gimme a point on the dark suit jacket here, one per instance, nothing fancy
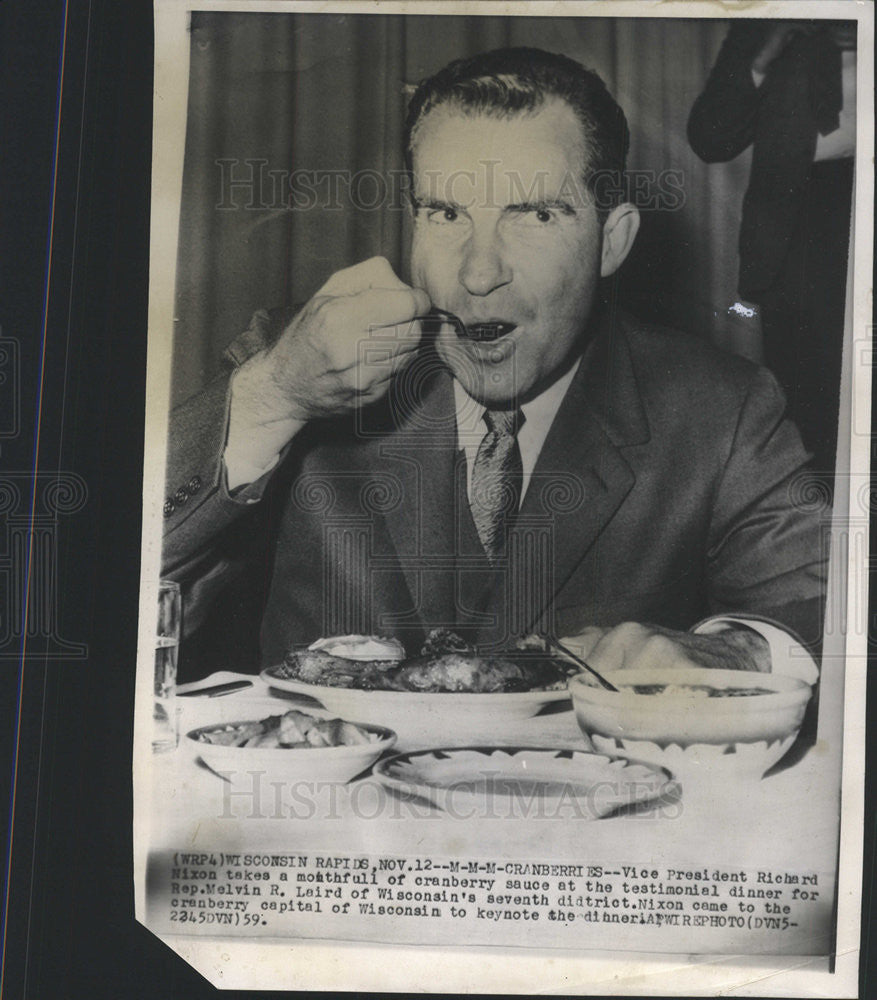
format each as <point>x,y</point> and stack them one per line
<point>800,97</point>
<point>664,493</point>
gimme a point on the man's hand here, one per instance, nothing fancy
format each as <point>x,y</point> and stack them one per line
<point>341,351</point>
<point>631,646</point>
<point>778,37</point>
<point>842,33</point>
<point>321,365</point>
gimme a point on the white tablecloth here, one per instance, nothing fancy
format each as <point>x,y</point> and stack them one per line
<point>786,821</point>
<point>791,814</point>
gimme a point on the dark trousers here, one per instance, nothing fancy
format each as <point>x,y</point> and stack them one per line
<point>803,312</point>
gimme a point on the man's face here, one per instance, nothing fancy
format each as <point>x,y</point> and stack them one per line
<point>505,232</point>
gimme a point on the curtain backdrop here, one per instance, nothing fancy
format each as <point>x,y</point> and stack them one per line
<point>293,159</point>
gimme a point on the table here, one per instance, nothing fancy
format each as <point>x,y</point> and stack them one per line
<point>785,824</point>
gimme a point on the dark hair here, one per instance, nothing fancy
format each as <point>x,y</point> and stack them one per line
<point>508,82</point>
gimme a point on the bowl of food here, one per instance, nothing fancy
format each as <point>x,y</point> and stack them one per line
<point>295,746</point>
<point>448,691</point>
<point>693,721</point>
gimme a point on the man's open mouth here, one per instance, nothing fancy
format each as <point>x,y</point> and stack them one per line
<point>484,331</point>
<point>492,330</point>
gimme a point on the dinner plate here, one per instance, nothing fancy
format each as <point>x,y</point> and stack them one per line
<point>424,717</point>
<point>523,781</point>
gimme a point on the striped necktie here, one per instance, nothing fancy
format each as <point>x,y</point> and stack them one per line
<point>497,477</point>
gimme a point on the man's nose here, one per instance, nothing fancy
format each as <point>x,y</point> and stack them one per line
<point>484,266</point>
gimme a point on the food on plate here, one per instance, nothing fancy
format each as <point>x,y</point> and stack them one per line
<point>346,660</point>
<point>360,647</point>
<point>696,690</point>
<point>479,674</point>
<point>446,664</point>
<point>294,730</point>
<point>443,640</point>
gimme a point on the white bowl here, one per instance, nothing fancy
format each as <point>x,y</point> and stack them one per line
<point>428,718</point>
<point>688,733</point>
<point>289,764</point>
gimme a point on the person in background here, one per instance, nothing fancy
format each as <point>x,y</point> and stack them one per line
<point>788,90</point>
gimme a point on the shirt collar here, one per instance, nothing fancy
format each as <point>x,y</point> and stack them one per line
<point>539,414</point>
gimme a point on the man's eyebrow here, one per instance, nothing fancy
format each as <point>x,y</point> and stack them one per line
<point>438,204</point>
<point>563,207</point>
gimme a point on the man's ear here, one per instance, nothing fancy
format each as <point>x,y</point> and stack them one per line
<point>619,232</point>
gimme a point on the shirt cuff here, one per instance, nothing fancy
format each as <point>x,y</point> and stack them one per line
<point>240,471</point>
<point>787,654</point>
<point>253,451</point>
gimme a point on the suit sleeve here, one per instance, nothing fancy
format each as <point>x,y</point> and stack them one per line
<point>202,518</point>
<point>769,534</point>
<point>722,121</point>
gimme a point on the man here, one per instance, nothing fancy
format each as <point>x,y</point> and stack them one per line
<point>547,466</point>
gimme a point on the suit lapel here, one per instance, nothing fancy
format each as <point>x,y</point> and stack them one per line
<point>422,455</point>
<point>580,480</point>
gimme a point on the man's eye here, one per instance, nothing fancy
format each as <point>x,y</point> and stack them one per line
<point>535,217</point>
<point>443,215</point>
<point>541,216</point>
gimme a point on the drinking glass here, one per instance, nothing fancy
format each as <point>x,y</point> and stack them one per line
<point>167,642</point>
